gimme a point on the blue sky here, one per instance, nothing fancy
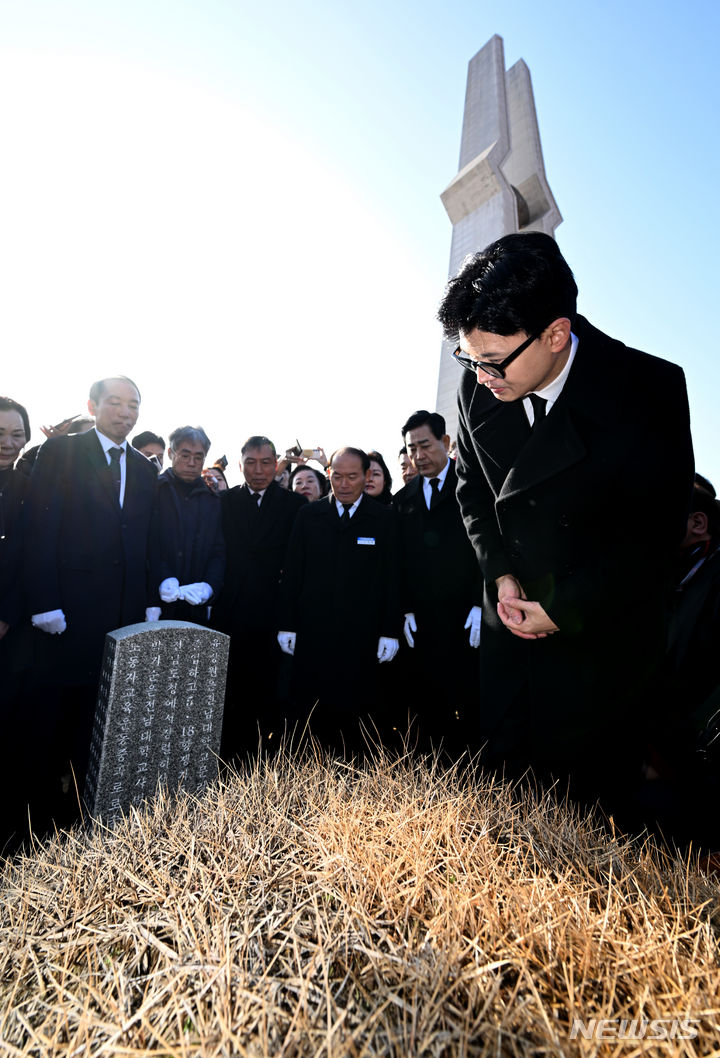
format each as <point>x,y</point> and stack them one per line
<point>239,205</point>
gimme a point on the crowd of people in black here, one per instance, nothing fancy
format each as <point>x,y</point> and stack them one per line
<point>320,576</point>
<point>451,612</point>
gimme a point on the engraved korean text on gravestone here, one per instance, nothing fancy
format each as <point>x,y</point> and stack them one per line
<point>159,714</point>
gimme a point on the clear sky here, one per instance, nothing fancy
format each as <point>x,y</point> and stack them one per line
<point>238,204</point>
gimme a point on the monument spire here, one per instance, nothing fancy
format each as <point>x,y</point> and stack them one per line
<point>501,185</point>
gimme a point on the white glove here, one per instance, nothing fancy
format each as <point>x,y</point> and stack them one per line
<point>287,641</point>
<point>152,613</point>
<point>195,594</point>
<point>473,623</point>
<point>387,649</point>
<point>410,627</point>
<point>53,622</point>
<point>170,590</point>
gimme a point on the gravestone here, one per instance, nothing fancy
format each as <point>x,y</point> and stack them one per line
<point>159,712</point>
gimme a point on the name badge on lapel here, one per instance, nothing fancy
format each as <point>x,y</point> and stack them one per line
<point>366,540</point>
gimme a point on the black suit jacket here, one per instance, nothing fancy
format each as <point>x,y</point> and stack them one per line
<point>595,496</point>
<point>256,540</point>
<point>339,588</point>
<point>441,578</point>
<point>586,512</point>
<point>84,554</point>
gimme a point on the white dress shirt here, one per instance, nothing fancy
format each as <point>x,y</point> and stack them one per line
<point>427,487</point>
<point>107,444</point>
<point>551,392</point>
<point>352,510</point>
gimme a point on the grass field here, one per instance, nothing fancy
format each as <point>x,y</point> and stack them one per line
<point>310,907</point>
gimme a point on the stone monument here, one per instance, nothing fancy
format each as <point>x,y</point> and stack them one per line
<point>159,714</point>
<point>501,185</point>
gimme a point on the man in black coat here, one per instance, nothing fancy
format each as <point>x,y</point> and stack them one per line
<point>339,612</point>
<point>563,434</point>
<point>87,520</point>
<point>441,589</point>
<point>257,520</point>
<point>187,550</point>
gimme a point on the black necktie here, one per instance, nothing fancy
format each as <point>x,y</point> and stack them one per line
<point>115,475</point>
<point>345,516</point>
<point>435,493</point>
<point>538,404</point>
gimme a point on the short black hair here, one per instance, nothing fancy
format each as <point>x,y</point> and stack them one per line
<point>98,388</point>
<point>346,451</point>
<point>520,282</point>
<point>8,404</point>
<point>147,437</point>
<point>193,434</point>
<point>705,483</point>
<point>258,441</point>
<point>433,419</point>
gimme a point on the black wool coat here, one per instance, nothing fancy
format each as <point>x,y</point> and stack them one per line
<point>186,538</point>
<point>84,554</point>
<point>256,540</point>
<point>441,580</point>
<point>339,593</point>
<point>586,511</point>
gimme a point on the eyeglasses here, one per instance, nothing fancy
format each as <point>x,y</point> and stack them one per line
<point>497,370</point>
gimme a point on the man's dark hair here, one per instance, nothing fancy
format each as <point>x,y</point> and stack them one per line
<point>147,437</point>
<point>433,419</point>
<point>705,483</point>
<point>98,388</point>
<point>519,283</point>
<point>403,451</point>
<point>362,456</point>
<point>258,441</point>
<point>8,404</point>
<point>191,434</point>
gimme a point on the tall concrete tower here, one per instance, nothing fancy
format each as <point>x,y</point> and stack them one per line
<point>501,185</point>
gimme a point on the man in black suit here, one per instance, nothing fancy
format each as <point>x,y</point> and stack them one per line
<point>563,434</point>
<point>87,517</point>
<point>441,588</point>
<point>257,520</point>
<point>339,611</point>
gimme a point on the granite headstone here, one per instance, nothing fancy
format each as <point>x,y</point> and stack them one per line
<point>159,714</point>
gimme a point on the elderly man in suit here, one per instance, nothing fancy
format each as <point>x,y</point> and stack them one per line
<point>257,519</point>
<point>339,610</point>
<point>564,433</point>
<point>187,550</point>
<point>87,519</point>
<point>441,589</point>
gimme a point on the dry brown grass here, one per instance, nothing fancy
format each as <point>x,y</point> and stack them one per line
<point>309,907</point>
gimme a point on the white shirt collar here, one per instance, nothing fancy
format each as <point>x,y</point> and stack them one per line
<point>427,487</point>
<point>107,443</point>
<point>552,391</point>
<point>354,507</point>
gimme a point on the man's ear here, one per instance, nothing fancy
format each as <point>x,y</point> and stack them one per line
<point>698,524</point>
<point>559,334</point>
<point>169,454</point>
<point>446,441</point>
<point>91,408</point>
